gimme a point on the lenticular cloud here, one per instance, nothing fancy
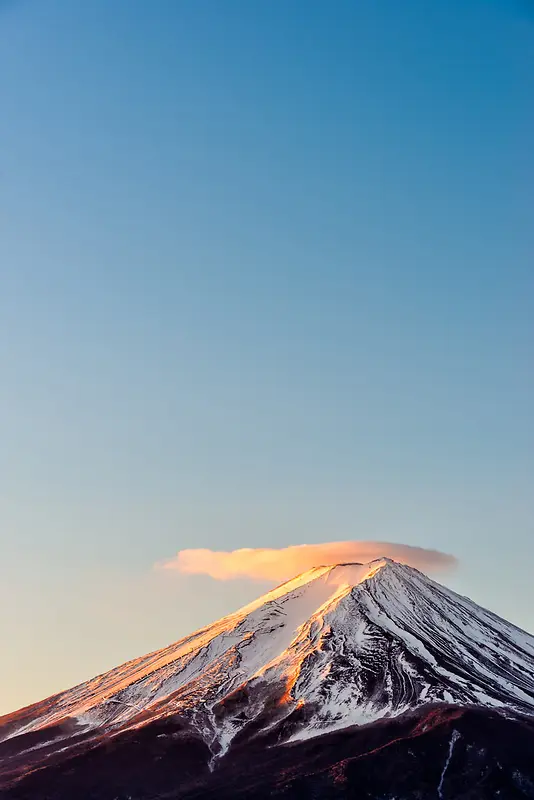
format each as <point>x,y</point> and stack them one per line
<point>272,564</point>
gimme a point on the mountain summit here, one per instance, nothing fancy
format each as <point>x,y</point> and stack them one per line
<point>339,646</point>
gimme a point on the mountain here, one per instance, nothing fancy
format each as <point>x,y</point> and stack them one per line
<point>351,675</point>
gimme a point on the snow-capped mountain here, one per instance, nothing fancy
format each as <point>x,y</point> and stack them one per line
<point>338,646</point>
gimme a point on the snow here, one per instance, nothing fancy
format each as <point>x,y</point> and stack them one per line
<point>348,643</point>
<point>454,738</point>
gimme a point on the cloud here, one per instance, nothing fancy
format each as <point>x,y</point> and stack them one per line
<point>269,564</point>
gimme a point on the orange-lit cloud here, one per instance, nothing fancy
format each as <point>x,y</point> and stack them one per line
<point>271,564</point>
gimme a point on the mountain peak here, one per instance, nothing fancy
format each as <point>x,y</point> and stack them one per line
<point>339,645</point>
<point>342,573</point>
<point>318,584</point>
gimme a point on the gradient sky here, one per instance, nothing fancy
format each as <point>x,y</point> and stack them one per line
<point>266,278</point>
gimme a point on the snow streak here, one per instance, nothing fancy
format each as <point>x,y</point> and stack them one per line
<point>454,738</point>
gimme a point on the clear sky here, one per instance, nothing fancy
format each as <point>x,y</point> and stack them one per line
<point>266,278</point>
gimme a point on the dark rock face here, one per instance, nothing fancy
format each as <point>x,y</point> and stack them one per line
<point>442,752</point>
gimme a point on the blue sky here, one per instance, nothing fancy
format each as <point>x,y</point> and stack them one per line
<point>265,279</point>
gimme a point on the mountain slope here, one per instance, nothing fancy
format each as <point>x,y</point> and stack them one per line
<point>338,646</point>
<point>433,753</point>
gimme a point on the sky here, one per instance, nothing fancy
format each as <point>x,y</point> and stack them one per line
<point>265,280</point>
